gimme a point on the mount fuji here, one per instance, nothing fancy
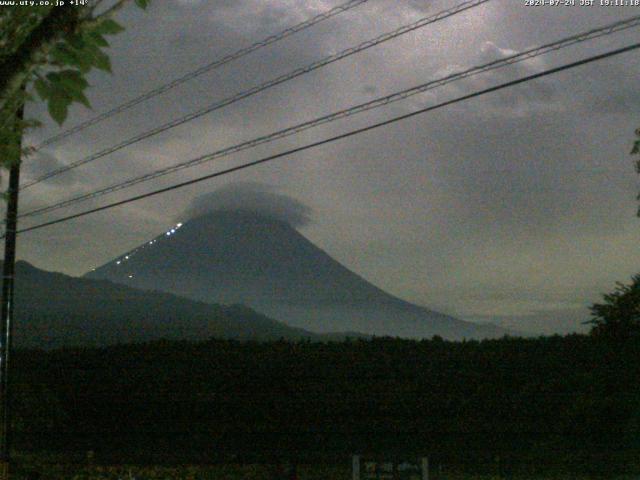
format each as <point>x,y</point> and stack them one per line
<point>238,255</point>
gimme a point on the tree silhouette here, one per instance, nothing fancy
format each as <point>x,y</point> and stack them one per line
<point>53,48</point>
<point>619,315</point>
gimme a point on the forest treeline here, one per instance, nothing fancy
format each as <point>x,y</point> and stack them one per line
<point>554,402</point>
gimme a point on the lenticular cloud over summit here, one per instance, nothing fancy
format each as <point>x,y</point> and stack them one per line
<point>239,245</point>
<point>251,197</point>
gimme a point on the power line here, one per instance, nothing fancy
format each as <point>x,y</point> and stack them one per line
<point>262,87</point>
<point>338,137</point>
<point>382,101</point>
<point>204,69</point>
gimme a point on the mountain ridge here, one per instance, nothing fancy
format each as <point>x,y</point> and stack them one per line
<point>56,310</point>
<point>237,256</point>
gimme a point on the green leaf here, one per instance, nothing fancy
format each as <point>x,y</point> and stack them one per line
<point>109,27</point>
<point>69,56</point>
<point>76,41</point>
<point>96,57</point>
<point>73,84</point>
<point>67,85</point>
<point>58,107</point>
<point>53,77</point>
<point>143,4</point>
<point>64,55</point>
<point>98,39</point>
<point>42,87</point>
<point>73,78</point>
<point>79,96</point>
<point>11,155</point>
<point>101,60</point>
<point>84,64</point>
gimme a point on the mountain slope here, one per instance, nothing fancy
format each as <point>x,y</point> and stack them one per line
<point>238,256</point>
<point>54,310</point>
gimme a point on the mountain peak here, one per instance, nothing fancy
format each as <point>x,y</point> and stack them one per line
<point>248,198</point>
<point>243,217</point>
<point>236,255</point>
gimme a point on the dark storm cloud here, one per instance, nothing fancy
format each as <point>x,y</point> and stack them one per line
<point>540,90</point>
<point>525,198</point>
<point>620,92</point>
<point>254,198</point>
<point>537,95</point>
<point>623,102</point>
<point>41,162</point>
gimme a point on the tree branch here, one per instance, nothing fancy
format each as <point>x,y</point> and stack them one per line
<point>113,9</point>
<point>15,68</point>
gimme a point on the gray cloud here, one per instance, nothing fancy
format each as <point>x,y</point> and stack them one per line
<point>251,197</point>
<point>524,200</point>
<point>620,95</point>
<point>42,162</point>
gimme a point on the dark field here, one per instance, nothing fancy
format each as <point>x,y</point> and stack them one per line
<point>531,406</point>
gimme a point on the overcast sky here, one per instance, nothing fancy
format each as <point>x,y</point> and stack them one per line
<point>517,207</point>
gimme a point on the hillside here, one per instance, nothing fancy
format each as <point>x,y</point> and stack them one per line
<point>53,310</point>
<point>239,256</point>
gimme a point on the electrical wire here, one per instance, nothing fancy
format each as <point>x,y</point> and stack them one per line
<point>423,22</point>
<point>204,69</point>
<point>348,134</point>
<point>363,107</point>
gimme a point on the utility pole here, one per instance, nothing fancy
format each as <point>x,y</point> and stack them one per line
<point>7,310</point>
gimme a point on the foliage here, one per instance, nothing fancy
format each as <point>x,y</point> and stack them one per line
<point>636,151</point>
<point>547,404</point>
<point>53,47</point>
<point>618,316</point>
<point>339,471</point>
